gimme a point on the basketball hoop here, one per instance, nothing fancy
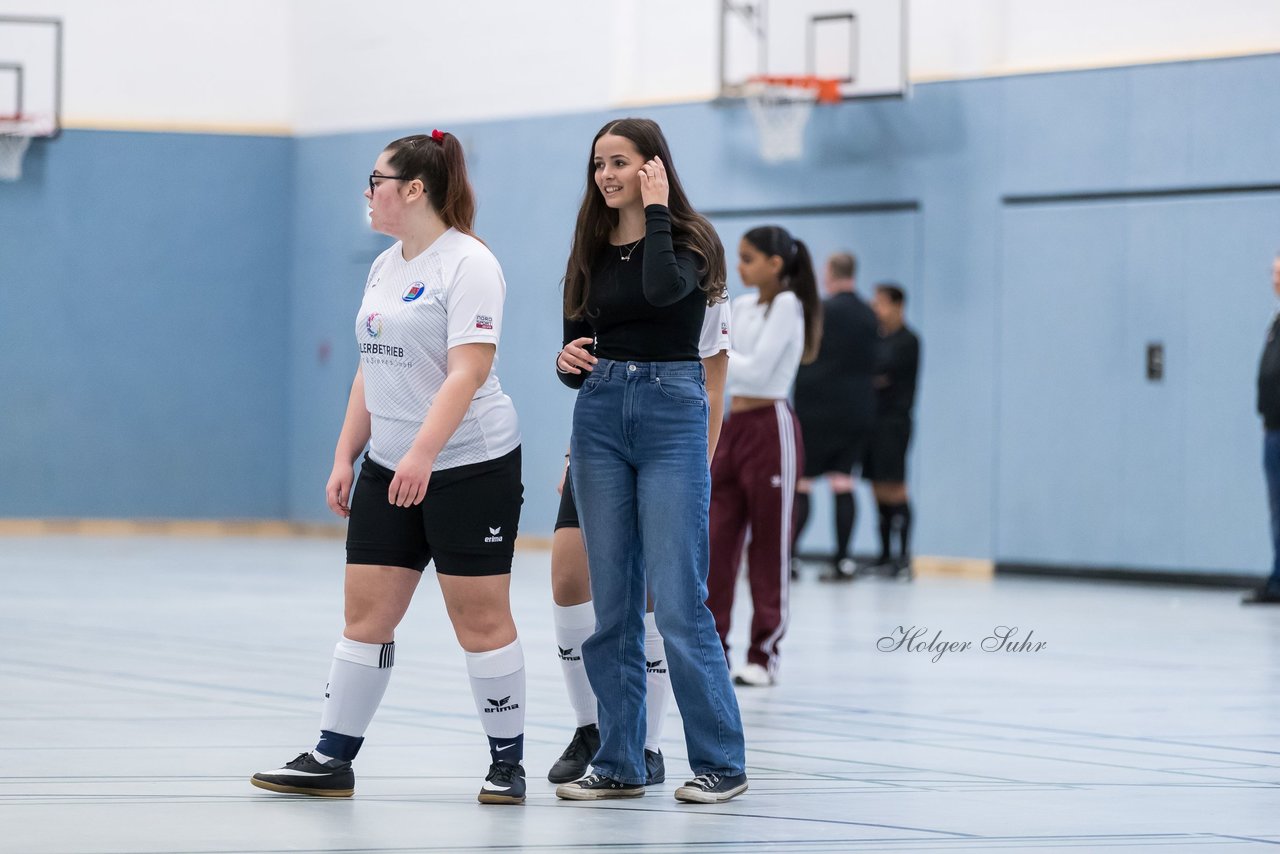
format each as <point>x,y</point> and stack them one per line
<point>16,133</point>
<point>781,107</point>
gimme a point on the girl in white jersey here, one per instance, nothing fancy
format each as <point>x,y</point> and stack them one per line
<point>575,617</point>
<point>757,465</point>
<point>441,477</point>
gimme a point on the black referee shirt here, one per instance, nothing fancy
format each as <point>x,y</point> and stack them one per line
<point>899,363</point>
<point>837,386</point>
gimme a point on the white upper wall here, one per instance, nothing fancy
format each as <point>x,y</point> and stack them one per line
<point>972,38</point>
<point>319,66</point>
<point>389,63</point>
<point>214,64</point>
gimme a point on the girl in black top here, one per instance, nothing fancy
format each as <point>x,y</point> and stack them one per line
<point>643,269</point>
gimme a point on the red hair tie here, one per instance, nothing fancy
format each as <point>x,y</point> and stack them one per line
<point>437,136</point>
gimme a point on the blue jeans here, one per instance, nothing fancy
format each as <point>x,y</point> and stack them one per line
<point>642,488</point>
<point>1271,464</point>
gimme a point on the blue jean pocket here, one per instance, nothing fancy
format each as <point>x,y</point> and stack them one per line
<point>682,390</point>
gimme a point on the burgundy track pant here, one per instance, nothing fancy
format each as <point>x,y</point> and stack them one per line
<point>753,487</point>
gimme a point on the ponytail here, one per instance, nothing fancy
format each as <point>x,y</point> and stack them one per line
<point>796,276</point>
<point>437,160</point>
<point>800,280</point>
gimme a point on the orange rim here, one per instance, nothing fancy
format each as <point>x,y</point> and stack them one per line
<point>828,88</point>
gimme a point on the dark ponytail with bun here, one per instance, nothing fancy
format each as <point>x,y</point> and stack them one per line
<point>436,159</point>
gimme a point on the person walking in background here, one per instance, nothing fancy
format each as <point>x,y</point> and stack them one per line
<point>836,404</point>
<point>441,478</point>
<point>757,465</point>
<point>886,462</point>
<point>1269,409</point>
<point>643,268</point>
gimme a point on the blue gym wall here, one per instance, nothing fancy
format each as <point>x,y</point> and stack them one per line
<point>144,280</point>
<point>1038,438</point>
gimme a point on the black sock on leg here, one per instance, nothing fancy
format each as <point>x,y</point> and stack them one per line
<point>885,512</point>
<point>846,515</point>
<point>904,531</point>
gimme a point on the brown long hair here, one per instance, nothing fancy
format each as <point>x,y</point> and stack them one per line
<point>797,276</point>
<point>689,229</point>
<point>439,163</point>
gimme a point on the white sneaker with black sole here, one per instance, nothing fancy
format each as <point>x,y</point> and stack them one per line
<point>752,676</point>
<point>308,776</point>
<point>712,788</point>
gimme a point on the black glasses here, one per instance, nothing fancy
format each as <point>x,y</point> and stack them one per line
<point>373,188</point>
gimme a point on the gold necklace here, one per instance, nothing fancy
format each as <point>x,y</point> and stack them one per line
<point>626,256</point>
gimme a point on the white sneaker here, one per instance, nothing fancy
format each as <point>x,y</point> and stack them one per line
<point>752,675</point>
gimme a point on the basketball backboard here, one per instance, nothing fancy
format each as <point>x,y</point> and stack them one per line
<point>31,72</point>
<point>861,43</point>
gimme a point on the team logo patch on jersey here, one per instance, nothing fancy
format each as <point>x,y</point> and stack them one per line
<point>412,292</point>
<point>373,325</point>
<point>484,321</point>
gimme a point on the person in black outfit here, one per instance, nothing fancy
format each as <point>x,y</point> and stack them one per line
<point>886,461</point>
<point>1269,409</point>
<point>836,404</point>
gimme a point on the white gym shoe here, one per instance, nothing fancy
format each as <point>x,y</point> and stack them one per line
<point>752,675</point>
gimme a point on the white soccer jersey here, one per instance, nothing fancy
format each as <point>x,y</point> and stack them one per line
<point>412,313</point>
<point>715,330</point>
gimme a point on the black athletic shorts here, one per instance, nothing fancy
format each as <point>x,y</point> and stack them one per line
<point>886,458</point>
<point>467,522</point>
<point>831,447</point>
<point>567,516</point>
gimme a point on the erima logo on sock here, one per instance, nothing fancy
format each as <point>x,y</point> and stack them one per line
<point>655,666</point>
<point>501,705</point>
<point>494,535</point>
<point>567,654</point>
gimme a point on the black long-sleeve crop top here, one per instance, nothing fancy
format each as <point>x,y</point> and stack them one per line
<point>644,304</point>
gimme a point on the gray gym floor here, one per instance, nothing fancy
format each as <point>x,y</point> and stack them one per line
<point>144,679</point>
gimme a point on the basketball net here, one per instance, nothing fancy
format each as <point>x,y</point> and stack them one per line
<point>780,107</point>
<point>15,137</point>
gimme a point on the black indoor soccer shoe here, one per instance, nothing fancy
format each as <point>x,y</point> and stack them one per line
<point>598,787</point>
<point>655,769</point>
<point>573,763</point>
<point>504,785</point>
<point>712,788</point>
<point>307,776</point>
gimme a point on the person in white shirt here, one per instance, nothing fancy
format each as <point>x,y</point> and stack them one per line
<point>575,617</point>
<point>440,481</point>
<point>759,459</point>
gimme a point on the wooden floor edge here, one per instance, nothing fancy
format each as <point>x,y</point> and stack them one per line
<point>953,567</point>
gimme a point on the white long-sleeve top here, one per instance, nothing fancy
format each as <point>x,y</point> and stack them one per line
<point>768,342</point>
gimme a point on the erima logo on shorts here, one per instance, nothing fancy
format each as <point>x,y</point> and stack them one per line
<point>484,321</point>
<point>655,666</point>
<point>494,535</point>
<point>567,654</point>
<point>412,292</point>
<point>776,480</point>
<point>500,705</point>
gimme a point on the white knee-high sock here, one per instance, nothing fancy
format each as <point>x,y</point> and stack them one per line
<point>574,624</point>
<point>657,683</point>
<point>357,681</point>
<point>497,684</point>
